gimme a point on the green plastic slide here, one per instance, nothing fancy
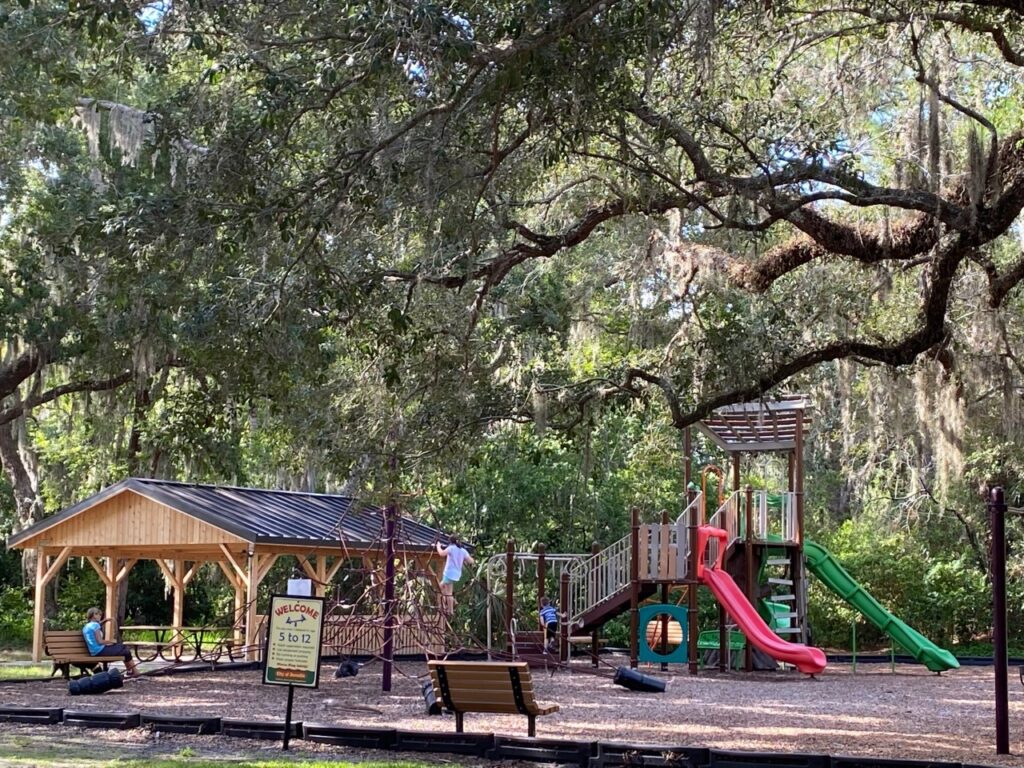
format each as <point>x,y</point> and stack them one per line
<point>821,563</point>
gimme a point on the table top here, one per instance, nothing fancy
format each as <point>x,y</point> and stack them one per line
<point>154,628</point>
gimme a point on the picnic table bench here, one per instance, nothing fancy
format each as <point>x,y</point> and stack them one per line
<point>487,686</point>
<point>66,647</point>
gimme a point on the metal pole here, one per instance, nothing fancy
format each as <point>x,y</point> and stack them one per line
<point>563,650</point>
<point>490,618</point>
<point>542,575</point>
<point>288,718</point>
<point>853,633</point>
<point>595,635</point>
<point>634,589</point>
<point>510,562</point>
<point>692,620</point>
<point>664,594</point>
<point>389,597</point>
<point>997,513</point>
<point>748,556</point>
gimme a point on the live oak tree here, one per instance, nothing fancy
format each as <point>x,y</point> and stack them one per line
<point>379,227</point>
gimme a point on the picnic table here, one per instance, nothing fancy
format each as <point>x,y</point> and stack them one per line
<point>148,642</point>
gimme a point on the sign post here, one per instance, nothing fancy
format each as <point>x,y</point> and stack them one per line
<point>294,639</point>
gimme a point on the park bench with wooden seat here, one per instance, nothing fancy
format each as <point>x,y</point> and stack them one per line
<point>67,647</point>
<point>487,686</point>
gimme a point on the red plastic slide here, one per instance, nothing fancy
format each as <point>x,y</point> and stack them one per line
<point>808,660</point>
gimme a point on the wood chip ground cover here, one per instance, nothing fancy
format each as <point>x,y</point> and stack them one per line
<point>909,713</point>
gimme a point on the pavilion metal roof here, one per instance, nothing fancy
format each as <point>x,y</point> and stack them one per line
<point>765,425</point>
<point>265,516</point>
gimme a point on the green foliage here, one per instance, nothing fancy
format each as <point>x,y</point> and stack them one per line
<point>78,590</point>
<point>15,617</point>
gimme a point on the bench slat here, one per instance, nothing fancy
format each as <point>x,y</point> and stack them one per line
<point>484,679</point>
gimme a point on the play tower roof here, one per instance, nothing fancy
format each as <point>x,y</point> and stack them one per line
<point>765,425</point>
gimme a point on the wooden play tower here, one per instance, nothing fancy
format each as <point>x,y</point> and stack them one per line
<point>763,532</point>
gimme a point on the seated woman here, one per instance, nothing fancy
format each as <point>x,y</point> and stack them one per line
<point>93,634</point>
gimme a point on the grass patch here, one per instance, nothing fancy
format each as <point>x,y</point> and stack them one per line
<point>25,671</point>
<point>187,762</point>
<point>15,654</point>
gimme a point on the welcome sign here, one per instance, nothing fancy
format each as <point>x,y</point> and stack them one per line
<point>294,640</point>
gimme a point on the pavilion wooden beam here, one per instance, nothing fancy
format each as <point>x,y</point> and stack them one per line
<point>110,609</point>
<point>257,570</point>
<point>242,573</point>
<point>335,567</point>
<point>308,568</point>
<point>45,571</point>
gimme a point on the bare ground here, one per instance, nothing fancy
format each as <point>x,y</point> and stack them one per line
<point>909,713</point>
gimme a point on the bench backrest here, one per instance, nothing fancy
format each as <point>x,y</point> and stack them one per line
<point>484,686</point>
<point>64,642</point>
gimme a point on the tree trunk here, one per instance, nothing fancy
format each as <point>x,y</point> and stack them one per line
<point>19,465</point>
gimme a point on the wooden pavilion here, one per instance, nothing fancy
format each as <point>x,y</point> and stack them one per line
<point>244,531</point>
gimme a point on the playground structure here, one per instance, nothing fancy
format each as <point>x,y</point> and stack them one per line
<point>747,548</point>
<point>751,553</point>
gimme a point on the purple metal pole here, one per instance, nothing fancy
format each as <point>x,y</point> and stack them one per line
<point>997,513</point>
<point>388,651</point>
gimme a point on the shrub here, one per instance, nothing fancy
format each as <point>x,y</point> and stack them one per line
<point>15,617</point>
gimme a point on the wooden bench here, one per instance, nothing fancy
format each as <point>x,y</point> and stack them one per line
<point>67,647</point>
<point>487,686</point>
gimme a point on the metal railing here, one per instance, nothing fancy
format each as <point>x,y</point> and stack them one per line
<point>495,570</point>
<point>603,575</point>
<point>598,578</point>
<point>773,517</point>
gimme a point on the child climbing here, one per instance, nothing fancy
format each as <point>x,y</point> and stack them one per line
<point>549,618</point>
<point>456,558</point>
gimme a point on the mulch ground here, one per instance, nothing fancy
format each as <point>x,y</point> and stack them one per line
<point>910,713</point>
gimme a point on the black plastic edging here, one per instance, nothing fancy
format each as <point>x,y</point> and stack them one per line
<point>196,726</point>
<point>543,750</point>
<point>43,716</point>
<point>476,744</point>
<point>117,720</point>
<point>586,754</point>
<point>721,758</point>
<point>259,729</point>
<point>619,754</point>
<point>363,738</point>
<point>844,761</point>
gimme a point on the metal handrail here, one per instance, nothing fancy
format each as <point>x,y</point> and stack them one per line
<point>597,578</point>
<point>768,522</point>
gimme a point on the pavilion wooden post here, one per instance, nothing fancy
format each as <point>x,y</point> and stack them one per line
<point>174,573</point>
<point>238,615</point>
<point>45,571</point>
<point>110,608</point>
<point>252,652</point>
<point>178,619</point>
